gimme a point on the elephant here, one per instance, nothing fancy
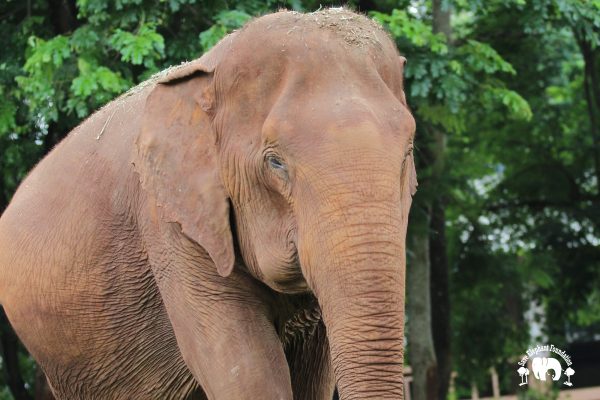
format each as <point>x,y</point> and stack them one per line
<point>232,228</point>
<point>541,366</point>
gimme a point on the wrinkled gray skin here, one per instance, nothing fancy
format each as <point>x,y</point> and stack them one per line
<point>233,228</point>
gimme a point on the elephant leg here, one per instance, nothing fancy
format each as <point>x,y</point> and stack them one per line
<point>228,343</point>
<point>235,354</point>
<point>222,325</point>
<point>310,365</point>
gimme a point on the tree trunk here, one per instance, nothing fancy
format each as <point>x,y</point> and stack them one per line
<point>440,296</point>
<point>441,18</point>
<point>63,14</point>
<point>42,389</point>
<point>9,348</point>
<point>591,84</point>
<point>418,309</point>
<point>440,292</point>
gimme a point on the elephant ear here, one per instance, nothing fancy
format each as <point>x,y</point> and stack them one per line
<point>412,174</point>
<point>401,95</point>
<point>177,160</point>
<point>411,171</point>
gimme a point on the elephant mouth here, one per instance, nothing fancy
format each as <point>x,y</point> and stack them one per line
<point>290,279</point>
<point>301,316</point>
<point>291,286</point>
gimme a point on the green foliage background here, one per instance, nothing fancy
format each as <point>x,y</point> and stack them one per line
<point>515,93</point>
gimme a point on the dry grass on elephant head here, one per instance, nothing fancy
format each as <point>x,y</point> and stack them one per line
<point>355,28</point>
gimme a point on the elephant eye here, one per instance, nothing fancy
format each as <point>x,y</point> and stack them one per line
<point>275,163</point>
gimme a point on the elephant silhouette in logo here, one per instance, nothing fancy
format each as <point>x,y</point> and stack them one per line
<point>541,366</point>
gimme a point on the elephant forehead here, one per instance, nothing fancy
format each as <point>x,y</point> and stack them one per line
<point>317,43</point>
<point>295,75</point>
<point>355,29</point>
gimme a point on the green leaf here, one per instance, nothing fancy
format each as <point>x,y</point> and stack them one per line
<point>403,26</point>
<point>225,22</point>
<point>7,115</point>
<point>84,85</point>
<point>84,38</point>
<point>55,51</point>
<point>211,36</point>
<point>232,19</point>
<point>517,105</point>
<point>482,57</point>
<point>143,47</point>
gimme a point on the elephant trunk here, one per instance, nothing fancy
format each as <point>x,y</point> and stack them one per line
<point>365,331</point>
<point>356,271</point>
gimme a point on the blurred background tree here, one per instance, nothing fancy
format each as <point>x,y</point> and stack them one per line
<point>504,241</point>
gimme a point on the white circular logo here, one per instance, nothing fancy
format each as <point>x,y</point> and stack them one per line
<point>544,367</point>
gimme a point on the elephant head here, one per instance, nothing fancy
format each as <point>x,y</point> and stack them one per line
<point>541,366</point>
<point>290,144</point>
